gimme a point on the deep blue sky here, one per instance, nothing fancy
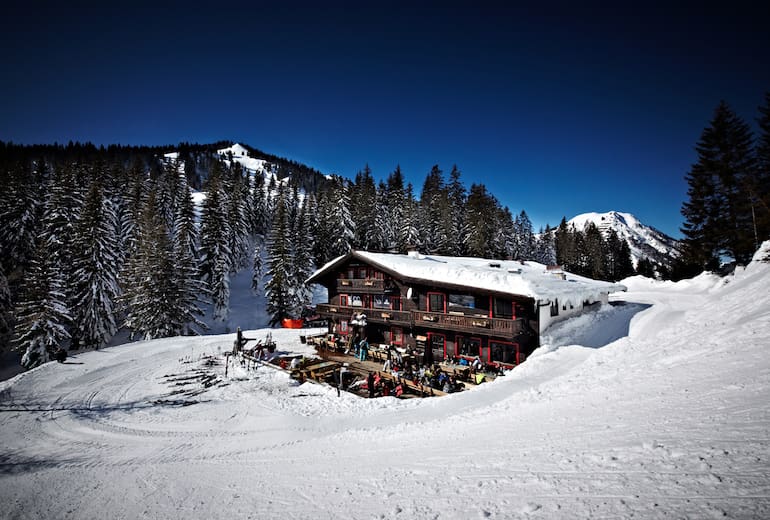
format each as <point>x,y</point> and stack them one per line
<point>559,110</point>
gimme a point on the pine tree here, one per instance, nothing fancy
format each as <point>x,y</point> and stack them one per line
<point>257,268</point>
<point>215,255</point>
<point>150,295</point>
<point>433,209</point>
<point>363,199</point>
<point>593,252</point>
<point>20,212</point>
<point>382,238</point>
<point>455,220</point>
<point>42,314</point>
<point>343,227</point>
<point>6,310</point>
<point>186,279</point>
<point>759,185</point>
<point>718,210</point>
<point>95,270</point>
<point>396,207</point>
<point>617,257</point>
<point>408,234</point>
<point>545,252</point>
<point>277,290</point>
<point>480,218</point>
<point>565,246</point>
<point>302,260</point>
<point>525,237</point>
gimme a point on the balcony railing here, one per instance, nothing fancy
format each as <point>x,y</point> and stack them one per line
<point>360,285</point>
<point>372,315</point>
<point>430,320</point>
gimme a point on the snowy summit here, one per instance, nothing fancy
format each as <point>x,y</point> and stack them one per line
<point>644,241</point>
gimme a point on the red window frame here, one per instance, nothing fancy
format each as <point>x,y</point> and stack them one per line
<point>343,329</point>
<point>443,297</point>
<point>458,342</point>
<point>516,347</point>
<point>344,300</point>
<point>397,332</point>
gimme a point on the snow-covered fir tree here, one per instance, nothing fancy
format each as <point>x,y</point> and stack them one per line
<point>302,259</point>
<point>96,270</point>
<point>235,195</point>
<point>150,295</point>
<point>408,232</point>
<point>215,255</point>
<point>280,301</point>
<point>187,282</point>
<point>42,315</point>
<point>362,202</point>
<point>20,205</point>
<point>455,220</point>
<point>6,310</point>
<point>257,271</point>
<point>433,211</point>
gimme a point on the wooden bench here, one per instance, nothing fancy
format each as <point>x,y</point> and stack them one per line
<point>417,388</point>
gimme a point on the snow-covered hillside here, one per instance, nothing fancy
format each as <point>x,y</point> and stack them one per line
<point>655,407</point>
<point>238,154</point>
<point>644,241</point>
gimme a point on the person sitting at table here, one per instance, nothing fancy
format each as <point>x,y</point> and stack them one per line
<point>399,390</point>
<point>395,373</point>
<point>476,365</point>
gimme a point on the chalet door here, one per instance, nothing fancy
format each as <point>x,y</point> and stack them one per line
<point>434,350</point>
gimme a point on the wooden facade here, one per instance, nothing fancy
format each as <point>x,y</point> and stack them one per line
<point>449,320</point>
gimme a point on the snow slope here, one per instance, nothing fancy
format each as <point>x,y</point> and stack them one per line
<point>644,241</point>
<point>654,407</point>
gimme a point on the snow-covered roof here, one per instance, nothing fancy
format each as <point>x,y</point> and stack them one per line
<point>501,276</point>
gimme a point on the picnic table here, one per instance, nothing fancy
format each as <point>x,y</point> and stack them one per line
<point>319,369</point>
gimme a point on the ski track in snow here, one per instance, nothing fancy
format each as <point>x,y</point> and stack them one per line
<point>654,407</point>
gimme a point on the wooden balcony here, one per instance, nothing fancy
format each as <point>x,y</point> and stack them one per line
<point>428,320</point>
<point>360,285</point>
<point>399,318</point>
<point>471,324</point>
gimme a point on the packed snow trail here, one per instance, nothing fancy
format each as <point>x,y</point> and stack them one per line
<point>654,407</point>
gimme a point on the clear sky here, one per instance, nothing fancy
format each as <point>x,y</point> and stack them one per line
<point>558,110</point>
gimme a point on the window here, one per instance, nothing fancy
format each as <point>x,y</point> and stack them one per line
<point>503,309</point>
<point>461,303</point>
<point>381,301</point>
<point>344,301</point>
<point>469,346</point>
<point>343,328</point>
<point>436,302</point>
<point>395,303</point>
<point>555,307</point>
<point>504,352</point>
<point>355,301</point>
